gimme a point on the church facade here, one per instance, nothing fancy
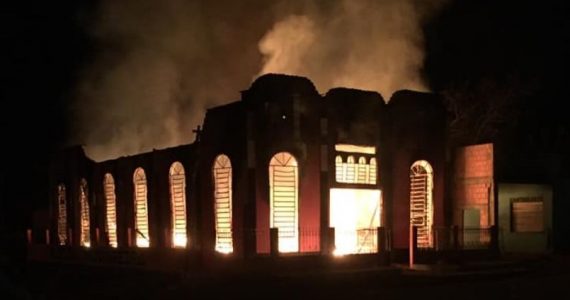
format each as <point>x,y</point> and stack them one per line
<point>287,171</point>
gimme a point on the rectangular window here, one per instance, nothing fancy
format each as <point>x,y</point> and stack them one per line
<point>527,215</point>
<point>355,149</point>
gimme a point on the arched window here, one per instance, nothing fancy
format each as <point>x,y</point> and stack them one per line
<point>339,166</point>
<point>362,171</point>
<point>222,173</point>
<point>141,209</point>
<point>350,174</point>
<point>178,204</point>
<point>283,191</point>
<point>85,239</point>
<point>372,171</point>
<point>111,209</point>
<point>421,201</point>
<point>61,215</point>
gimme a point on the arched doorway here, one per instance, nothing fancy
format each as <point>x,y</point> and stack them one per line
<point>177,181</point>
<point>222,173</point>
<point>85,238</point>
<point>284,200</point>
<point>421,202</point>
<point>61,215</point>
<point>111,209</point>
<point>141,209</point>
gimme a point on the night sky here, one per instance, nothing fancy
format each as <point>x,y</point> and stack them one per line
<point>45,46</point>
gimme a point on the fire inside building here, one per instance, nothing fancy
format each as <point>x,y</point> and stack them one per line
<point>288,172</point>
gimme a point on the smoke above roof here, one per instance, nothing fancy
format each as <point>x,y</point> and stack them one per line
<point>158,65</point>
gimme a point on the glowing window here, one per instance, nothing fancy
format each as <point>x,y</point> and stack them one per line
<point>362,170</point>
<point>61,215</point>
<point>178,204</point>
<point>85,239</point>
<point>141,209</point>
<point>283,187</point>
<point>222,173</point>
<point>421,202</point>
<point>349,172</point>
<point>111,209</point>
<point>372,171</point>
<point>339,166</point>
<point>355,149</point>
<point>527,215</point>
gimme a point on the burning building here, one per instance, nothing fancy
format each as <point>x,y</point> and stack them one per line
<point>286,170</point>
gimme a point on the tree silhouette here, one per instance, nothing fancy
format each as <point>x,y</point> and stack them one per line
<point>480,111</point>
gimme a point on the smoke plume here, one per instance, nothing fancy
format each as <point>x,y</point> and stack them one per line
<point>158,65</point>
<point>371,45</point>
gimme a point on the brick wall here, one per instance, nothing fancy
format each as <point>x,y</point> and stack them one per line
<point>473,183</point>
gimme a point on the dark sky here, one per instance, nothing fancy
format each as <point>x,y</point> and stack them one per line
<point>45,44</point>
<point>475,39</point>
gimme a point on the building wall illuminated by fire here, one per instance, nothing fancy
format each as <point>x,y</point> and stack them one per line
<point>283,163</point>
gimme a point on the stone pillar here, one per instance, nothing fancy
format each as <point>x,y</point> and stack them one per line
<point>413,246</point>
<point>381,240</point>
<point>168,241</point>
<point>455,233</point>
<point>330,240</point>
<point>382,243</point>
<point>274,241</point>
<point>435,233</point>
<point>129,237</point>
<point>494,235</point>
<point>97,237</point>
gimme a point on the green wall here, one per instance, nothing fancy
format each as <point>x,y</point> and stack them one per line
<point>526,242</point>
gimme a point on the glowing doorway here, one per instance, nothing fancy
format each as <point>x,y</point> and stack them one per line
<point>355,215</point>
